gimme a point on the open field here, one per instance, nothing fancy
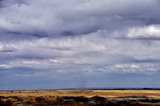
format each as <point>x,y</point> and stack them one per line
<point>80,97</point>
<point>86,93</point>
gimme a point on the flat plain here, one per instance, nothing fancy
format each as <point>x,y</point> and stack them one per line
<point>80,98</point>
<point>86,93</point>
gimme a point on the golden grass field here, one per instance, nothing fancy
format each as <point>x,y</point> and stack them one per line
<point>86,93</point>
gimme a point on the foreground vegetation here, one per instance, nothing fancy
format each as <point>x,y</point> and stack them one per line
<point>81,98</point>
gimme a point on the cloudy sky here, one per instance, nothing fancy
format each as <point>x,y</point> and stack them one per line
<point>56,44</point>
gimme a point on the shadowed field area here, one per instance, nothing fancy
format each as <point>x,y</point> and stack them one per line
<point>80,98</point>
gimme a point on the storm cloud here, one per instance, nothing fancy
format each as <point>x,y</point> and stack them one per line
<point>71,18</point>
<point>81,38</point>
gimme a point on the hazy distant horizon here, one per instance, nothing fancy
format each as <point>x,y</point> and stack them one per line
<point>93,88</point>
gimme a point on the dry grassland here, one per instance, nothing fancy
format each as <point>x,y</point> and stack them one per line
<point>85,93</point>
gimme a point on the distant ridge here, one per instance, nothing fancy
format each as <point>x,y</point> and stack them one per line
<point>111,89</point>
<point>81,89</point>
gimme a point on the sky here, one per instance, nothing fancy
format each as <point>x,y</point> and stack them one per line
<point>58,44</point>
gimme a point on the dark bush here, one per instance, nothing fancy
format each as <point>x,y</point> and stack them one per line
<point>98,99</point>
<point>6,103</point>
<point>40,99</point>
<point>1,102</point>
<point>3,97</point>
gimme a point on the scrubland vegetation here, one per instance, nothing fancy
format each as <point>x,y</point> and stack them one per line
<point>81,98</point>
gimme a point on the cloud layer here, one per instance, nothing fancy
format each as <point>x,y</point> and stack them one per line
<point>79,37</point>
<point>66,18</point>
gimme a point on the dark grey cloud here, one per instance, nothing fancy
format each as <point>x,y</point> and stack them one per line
<point>71,18</point>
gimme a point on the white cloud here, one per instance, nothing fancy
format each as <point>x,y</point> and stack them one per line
<point>5,66</point>
<point>82,53</point>
<point>127,66</point>
<point>152,31</point>
<point>31,62</point>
